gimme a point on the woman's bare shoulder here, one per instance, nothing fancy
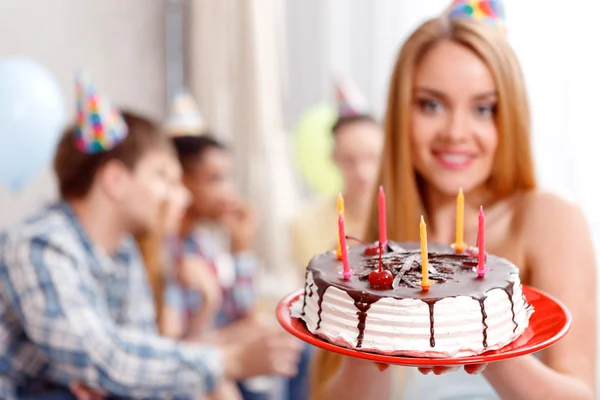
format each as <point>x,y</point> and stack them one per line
<point>548,220</point>
<point>540,208</point>
<point>538,216</point>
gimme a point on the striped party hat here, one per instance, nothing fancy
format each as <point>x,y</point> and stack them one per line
<point>185,119</point>
<point>488,11</point>
<point>349,99</point>
<point>100,127</point>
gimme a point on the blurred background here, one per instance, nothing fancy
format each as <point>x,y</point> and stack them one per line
<point>257,66</point>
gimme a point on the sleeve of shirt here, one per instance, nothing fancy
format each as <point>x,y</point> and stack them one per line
<point>244,293</point>
<point>60,312</point>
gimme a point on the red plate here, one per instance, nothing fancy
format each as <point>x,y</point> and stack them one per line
<point>548,324</point>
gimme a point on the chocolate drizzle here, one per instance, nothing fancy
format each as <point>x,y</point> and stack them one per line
<point>320,292</point>
<point>510,291</point>
<point>362,321</point>
<point>305,287</point>
<point>451,273</point>
<point>431,304</point>
<point>483,321</point>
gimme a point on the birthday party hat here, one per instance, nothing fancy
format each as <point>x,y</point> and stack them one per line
<point>185,118</point>
<point>488,11</point>
<point>100,127</point>
<point>350,101</point>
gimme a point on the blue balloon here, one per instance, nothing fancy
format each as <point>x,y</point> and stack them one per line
<point>32,114</point>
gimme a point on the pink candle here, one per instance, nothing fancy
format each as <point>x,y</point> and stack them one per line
<point>382,217</point>
<point>342,234</point>
<point>481,269</point>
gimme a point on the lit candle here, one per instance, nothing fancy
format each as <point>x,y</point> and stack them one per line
<point>459,244</point>
<point>342,236</point>
<point>382,218</point>
<point>340,211</point>
<point>481,269</point>
<point>425,282</point>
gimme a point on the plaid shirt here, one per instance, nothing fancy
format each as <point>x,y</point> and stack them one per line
<point>70,313</point>
<point>235,272</point>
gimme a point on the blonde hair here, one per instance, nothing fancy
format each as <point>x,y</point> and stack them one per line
<point>512,170</point>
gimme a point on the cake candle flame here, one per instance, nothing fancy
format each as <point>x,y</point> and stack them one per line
<point>340,210</point>
<point>481,269</point>
<point>459,244</point>
<point>382,218</point>
<point>425,282</point>
<point>342,236</point>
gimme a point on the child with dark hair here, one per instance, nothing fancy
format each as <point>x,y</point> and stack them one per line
<point>219,299</point>
<point>218,227</point>
<point>75,306</point>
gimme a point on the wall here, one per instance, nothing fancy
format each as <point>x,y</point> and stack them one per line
<point>120,43</point>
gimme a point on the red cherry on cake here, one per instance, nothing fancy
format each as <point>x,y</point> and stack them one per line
<point>372,250</point>
<point>381,278</point>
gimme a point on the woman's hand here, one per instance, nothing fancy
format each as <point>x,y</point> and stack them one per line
<point>469,369</point>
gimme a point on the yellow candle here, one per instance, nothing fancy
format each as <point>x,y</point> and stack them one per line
<point>459,244</point>
<point>340,211</point>
<point>425,282</point>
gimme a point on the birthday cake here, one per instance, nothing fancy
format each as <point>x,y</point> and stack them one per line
<point>382,307</point>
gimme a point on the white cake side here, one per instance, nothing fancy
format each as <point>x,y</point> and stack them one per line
<point>403,327</point>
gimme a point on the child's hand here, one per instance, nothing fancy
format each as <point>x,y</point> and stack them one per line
<point>268,351</point>
<point>227,390</point>
<point>83,393</point>
<point>197,274</point>
<point>241,222</point>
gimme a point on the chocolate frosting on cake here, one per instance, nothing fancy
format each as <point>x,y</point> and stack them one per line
<point>452,275</point>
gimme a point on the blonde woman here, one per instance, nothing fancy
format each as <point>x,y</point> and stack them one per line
<point>458,116</point>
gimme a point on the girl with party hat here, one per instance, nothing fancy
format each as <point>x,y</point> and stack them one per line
<point>76,309</point>
<point>458,117</point>
<point>358,143</point>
